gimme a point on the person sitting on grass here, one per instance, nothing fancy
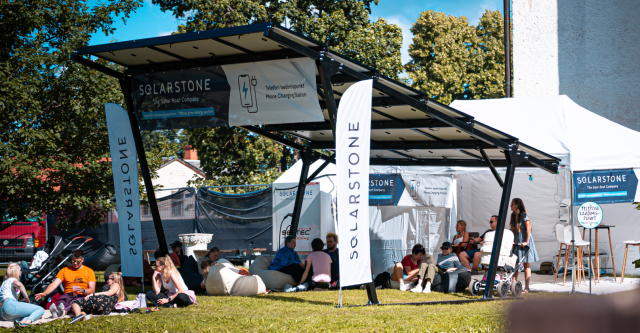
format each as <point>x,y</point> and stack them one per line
<point>78,281</point>
<point>11,309</point>
<point>167,276</point>
<point>204,267</point>
<point>406,271</point>
<point>213,255</point>
<point>332,251</point>
<point>100,303</point>
<point>474,255</point>
<point>287,260</point>
<point>447,262</point>
<point>321,264</point>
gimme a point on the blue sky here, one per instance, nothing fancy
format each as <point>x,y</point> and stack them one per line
<point>150,21</point>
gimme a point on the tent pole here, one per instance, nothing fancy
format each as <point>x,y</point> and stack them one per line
<point>514,158</point>
<point>573,241</point>
<point>125,84</point>
<point>306,155</point>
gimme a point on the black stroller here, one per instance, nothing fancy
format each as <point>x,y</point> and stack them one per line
<point>39,279</point>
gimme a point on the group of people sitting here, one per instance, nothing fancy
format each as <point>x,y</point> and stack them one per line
<point>80,298</point>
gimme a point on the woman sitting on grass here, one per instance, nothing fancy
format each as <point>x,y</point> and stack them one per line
<point>22,313</point>
<point>100,303</point>
<point>321,263</point>
<point>167,276</point>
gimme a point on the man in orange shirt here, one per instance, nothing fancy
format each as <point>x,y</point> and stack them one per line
<point>78,281</point>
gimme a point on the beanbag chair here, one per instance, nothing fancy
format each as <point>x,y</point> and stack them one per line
<point>452,282</point>
<point>222,281</point>
<point>272,279</point>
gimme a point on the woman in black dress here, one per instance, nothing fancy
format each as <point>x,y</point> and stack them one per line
<point>100,303</point>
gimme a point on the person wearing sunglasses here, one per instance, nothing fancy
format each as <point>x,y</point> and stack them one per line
<point>474,254</point>
<point>447,262</point>
<point>78,281</point>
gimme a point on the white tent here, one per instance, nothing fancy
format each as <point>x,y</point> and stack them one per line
<point>582,139</point>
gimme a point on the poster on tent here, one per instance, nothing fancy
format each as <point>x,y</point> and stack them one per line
<point>309,226</point>
<point>606,186</point>
<point>353,141</point>
<point>125,180</point>
<point>253,93</point>
<point>429,191</point>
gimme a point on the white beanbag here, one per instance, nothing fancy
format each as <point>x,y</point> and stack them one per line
<point>272,279</point>
<point>222,281</point>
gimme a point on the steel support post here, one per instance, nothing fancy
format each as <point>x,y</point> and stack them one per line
<point>326,69</point>
<point>125,84</point>
<point>514,158</point>
<point>307,159</point>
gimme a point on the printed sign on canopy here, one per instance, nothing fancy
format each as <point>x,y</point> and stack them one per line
<point>606,186</point>
<point>267,92</point>
<point>385,190</point>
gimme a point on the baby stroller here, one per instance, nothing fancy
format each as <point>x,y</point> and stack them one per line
<point>508,265</point>
<point>41,278</point>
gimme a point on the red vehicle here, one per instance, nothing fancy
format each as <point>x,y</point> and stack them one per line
<point>22,240</point>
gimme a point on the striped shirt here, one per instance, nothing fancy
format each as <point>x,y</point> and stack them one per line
<point>448,261</point>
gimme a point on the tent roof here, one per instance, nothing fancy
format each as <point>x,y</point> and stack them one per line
<point>407,127</point>
<point>582,139</point>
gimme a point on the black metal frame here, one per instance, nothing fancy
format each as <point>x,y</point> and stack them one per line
<point>330,72</point>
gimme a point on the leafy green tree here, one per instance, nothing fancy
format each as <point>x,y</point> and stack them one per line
<point>227,155</point>
<point>451,59</point>
<point>170,142</point>
<point>53,137</point>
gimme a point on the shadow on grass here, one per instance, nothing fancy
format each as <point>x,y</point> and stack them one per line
<point>292,299</point>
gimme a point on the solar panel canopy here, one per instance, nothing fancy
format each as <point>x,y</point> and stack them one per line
<point>408,128</point>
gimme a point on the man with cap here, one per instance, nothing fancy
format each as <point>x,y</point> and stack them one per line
<point>447,262</point>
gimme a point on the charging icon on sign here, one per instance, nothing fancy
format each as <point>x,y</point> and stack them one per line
<point>248,97</point>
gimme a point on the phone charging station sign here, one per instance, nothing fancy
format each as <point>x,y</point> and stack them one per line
<point>590,215</point>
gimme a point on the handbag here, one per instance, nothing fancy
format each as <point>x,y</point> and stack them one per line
<point>142,300</point>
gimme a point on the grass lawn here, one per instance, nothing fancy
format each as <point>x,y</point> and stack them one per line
<point>305,312</point>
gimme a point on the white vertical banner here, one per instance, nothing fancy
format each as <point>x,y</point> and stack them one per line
<point>125,180</point>
<point>353,141</point>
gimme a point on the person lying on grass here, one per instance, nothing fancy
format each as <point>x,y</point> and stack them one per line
<point>321,264</point>
<point>406,271</point>
<point>447,262</point>
<point>22,313</point>
<point>167,276</point>
<point>100,303</point>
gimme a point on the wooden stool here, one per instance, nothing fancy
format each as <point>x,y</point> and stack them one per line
<point>624,262</point>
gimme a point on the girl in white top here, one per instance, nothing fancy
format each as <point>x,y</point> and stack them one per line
<point>22,313</point>
<point>167,276</point>
<point>462,236</point>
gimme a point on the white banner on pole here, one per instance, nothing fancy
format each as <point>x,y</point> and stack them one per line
<point>125,180</point>
<point>353,141</point>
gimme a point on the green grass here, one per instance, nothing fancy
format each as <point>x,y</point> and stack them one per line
<point>305,312</point>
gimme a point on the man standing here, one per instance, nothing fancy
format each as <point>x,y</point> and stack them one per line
<point>332,251</point>
<point>78,281</point>
<point>287,260</point>
<point>475,254</point>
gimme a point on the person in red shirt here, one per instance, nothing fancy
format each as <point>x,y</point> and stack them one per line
<point>406,271</point>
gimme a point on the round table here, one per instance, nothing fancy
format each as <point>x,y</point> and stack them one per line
<point>608,227</point>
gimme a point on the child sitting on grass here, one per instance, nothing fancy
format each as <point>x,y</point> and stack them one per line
<point>321,263</point>
<point>204,266</point>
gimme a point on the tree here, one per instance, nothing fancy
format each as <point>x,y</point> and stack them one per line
<point>53,137</point>
<point>451,59</point>
<point>344,26</point>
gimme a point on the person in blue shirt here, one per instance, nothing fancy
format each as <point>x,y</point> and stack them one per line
<point>287,260</point>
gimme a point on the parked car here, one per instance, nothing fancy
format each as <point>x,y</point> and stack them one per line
<point>22,239</point>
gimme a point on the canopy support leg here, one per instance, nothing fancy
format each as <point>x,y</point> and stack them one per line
<point>514,158</point>
<point>307,160</point>
<point>326,69</point>
<point>125,84</point>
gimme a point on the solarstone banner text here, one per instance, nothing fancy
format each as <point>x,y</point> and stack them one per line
<point>267,92</point>
<point>353,140</point>
<point>125,180</point>
<point>605,186</point>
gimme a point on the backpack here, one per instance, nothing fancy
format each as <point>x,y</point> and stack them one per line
<point>383,279</point>
<point>546,268</point>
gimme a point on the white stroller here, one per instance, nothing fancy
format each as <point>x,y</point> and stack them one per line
<point>507,266</point>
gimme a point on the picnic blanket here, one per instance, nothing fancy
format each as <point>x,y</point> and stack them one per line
<point>46,318</point>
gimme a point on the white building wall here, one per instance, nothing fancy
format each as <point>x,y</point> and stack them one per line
<point>173,175</point>
<point>588,50</point>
